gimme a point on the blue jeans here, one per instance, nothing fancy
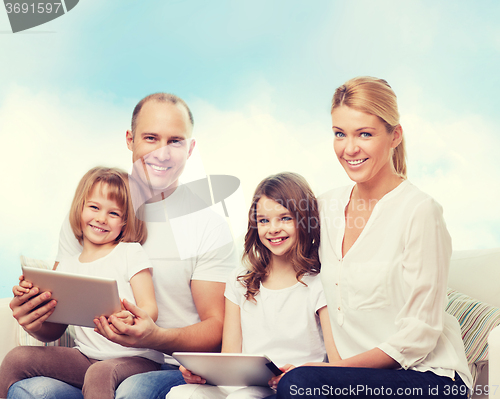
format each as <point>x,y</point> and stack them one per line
<point>333,382</point>
<point>151,385</point>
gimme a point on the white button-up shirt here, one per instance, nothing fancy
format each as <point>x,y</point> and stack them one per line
<point>389,289</point>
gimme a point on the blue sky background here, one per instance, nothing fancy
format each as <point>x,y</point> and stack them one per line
<point>259,77</point>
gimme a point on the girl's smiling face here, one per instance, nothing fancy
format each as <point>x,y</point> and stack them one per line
<point>276,226</point>
<point>363,146</point>
<point>102,220</point>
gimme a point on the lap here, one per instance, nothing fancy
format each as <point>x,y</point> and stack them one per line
<point>43,388</point>
<point>151,385</point>
<point>202,391</point>
<point>332,382</point>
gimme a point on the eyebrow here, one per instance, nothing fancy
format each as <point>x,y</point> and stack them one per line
<point>181,138</point>
<point>357,130</point>
<point>281,214</point>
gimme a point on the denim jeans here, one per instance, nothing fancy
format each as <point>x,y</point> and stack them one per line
<point>151,385</point>
<point>336,382</point>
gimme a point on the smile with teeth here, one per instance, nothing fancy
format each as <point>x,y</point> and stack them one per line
<point>355,161</point>
<point>277,240</point>
<point>100,230</point>
<point>158,168</point>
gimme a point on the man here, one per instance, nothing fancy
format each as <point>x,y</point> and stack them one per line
<point>190,247</point>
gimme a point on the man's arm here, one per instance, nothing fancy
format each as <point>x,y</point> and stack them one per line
<point>205,336</point>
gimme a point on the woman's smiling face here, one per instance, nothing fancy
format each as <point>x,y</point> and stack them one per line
<point>362,144</point>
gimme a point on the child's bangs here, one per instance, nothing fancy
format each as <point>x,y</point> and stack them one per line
<point>116,190</point>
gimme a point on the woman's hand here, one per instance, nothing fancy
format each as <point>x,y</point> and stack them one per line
<point>191,378</point>
<point>273,382</point>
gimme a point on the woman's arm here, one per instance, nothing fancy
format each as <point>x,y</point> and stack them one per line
<point>144,293</point>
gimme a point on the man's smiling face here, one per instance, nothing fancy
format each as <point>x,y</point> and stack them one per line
<point>161,144</point>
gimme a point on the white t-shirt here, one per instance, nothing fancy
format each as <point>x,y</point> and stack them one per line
<point>121,264</point>
<point>181,246</point>
<point>389,289</point>
<point>283,324</point>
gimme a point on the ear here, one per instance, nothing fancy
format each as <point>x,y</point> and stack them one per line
<point>397,136</point>
<point>191,147</point>
<point>130,140</point>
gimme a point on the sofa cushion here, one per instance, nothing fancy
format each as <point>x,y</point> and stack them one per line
<point>476,320</point>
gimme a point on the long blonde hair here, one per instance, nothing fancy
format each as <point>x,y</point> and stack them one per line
<point>374,96</point>
<point>116,181</point>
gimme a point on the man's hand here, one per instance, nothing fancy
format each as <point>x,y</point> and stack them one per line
<point>191,378</point>
<point>26,310</point>
<point>138,335</point>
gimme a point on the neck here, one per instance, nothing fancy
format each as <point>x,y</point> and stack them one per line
<point>160,196</point>
<point>375,189</point>
<point>280,273</point>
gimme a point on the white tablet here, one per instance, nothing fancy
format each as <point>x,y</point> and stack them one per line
<point>80,298</point>
<point>231,369</point>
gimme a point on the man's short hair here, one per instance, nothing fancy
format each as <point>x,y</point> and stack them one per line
<point>161,98</point>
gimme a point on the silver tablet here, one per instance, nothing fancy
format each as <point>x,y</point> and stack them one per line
<point>231,369</point>
<point>80,298</point>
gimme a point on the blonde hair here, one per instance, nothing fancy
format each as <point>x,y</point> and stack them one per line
<point>116,181</point>
<point>374,96</point>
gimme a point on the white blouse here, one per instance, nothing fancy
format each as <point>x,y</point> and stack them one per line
<point>389,289</point>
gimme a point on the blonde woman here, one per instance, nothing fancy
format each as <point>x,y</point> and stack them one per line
<point>384,255</point>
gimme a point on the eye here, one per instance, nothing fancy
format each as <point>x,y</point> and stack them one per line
<point>150,139</point>
<point>365,134</point>
<point>339,135</point>
<point>176,142</point>
<point>263,221</point>
<point>115,214</point>
<point>95,208</point>
<point>286,218</point>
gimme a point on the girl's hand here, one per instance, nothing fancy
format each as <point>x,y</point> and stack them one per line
<point>191,378</point>
<point>273,382</point>
<point>125,317</point>
<point>23,287</point>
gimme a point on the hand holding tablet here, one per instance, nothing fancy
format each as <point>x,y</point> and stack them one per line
<point>229,369</point>
<point>80,299</point>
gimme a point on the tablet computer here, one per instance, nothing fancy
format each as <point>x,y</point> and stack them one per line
<point>231,369</point>
<point>80,298</point>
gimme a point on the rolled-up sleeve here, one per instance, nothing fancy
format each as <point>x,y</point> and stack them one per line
<point>426,261</point>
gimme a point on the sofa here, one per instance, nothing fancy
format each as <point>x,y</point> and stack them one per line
<point>473,298</point>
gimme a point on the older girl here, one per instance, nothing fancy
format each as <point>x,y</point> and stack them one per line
<point>275,306</point>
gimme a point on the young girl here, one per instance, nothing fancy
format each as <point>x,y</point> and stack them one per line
<point>103,221</point>
<point>276,305</point>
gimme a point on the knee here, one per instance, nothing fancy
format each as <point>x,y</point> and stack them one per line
<point>131,387</point>
<point>291,381</point>
<point>42,388</point>
<point>19,357</point>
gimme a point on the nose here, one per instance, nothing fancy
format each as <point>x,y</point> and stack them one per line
<point>162,153</point>
<point>275,226</point>
<point>101,217</point>
<point>351,147</point>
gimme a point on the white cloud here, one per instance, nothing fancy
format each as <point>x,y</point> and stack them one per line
<point>455,161</point>
<point>50,140</point>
